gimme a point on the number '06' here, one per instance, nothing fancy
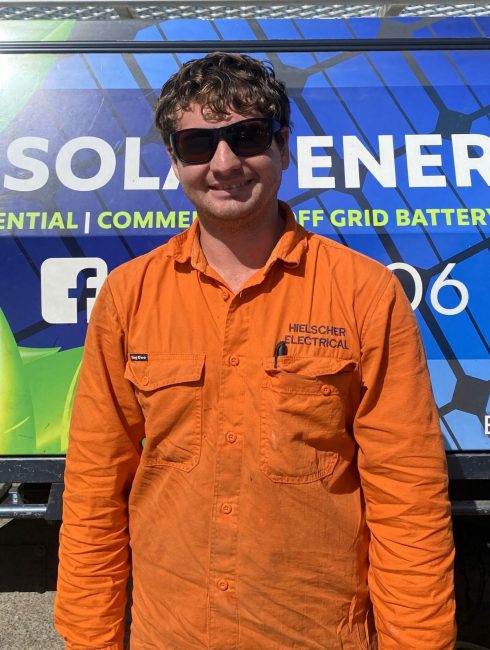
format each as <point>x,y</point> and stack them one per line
<point>442,281</point>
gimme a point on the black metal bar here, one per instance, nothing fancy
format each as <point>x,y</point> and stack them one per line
<point>470,508</point>
<point>54,509</point>
<point>279,45</point>
<point>15,469</point>
<point>466,466</point>
<point>18,469</point>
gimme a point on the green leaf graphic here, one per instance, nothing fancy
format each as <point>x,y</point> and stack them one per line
<point>33,354</point>
<point>17,430</point>
<point>52,381</point>
<point>37,388</point>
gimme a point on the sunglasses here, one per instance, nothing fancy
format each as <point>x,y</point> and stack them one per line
<point>246,138</point>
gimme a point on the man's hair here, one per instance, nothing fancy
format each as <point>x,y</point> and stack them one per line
<point>221,82</point>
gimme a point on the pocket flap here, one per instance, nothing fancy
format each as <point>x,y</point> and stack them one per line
<point>309,366</point>
<point>164,369</point>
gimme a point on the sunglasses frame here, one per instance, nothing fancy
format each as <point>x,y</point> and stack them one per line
<point>223,133</point>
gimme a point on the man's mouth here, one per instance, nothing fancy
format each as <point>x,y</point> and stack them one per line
<point>229,187</point>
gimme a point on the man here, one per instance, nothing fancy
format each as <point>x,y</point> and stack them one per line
<point>292,469</point>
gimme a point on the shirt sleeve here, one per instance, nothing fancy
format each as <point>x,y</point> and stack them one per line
<point>404,479</point>
<point>106,430</point>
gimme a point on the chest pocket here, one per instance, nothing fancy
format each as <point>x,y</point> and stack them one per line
<point>169,390</point>
<point>302,413</point>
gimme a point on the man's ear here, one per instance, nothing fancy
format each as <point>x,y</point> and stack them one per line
<point>284,148</point>
<point>173,160</point>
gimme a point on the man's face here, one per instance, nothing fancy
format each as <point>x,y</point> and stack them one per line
<point>229,188</point>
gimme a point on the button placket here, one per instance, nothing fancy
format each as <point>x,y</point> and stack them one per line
<point>223,630</point>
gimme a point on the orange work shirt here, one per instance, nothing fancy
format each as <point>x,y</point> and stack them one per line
<point>262,492</point>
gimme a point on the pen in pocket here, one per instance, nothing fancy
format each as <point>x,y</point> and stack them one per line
<point>280,350</point>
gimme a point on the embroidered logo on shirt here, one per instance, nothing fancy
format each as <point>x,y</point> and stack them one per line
<point>319,336</point>
<point>138,357</point>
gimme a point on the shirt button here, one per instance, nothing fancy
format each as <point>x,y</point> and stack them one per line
<point>225,295</point>
<point>226,508</point>
<point>231,437</point>
<point>326,390</point>
<point>144,380</point>
<point>234,361</point>
<point>222,585</point>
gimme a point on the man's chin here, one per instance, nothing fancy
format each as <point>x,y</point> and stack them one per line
<point>231,208</point>
<point>238,219</point>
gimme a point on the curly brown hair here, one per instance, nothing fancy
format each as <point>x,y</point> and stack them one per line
<point>221,82</point>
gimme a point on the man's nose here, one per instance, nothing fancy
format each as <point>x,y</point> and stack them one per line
<point>224,159</point>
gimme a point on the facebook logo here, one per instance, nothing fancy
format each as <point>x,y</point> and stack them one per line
<point>69,286</point>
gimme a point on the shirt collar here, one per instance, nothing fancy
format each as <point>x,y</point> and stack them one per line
<point>289,249</point>
<point>292,243</point>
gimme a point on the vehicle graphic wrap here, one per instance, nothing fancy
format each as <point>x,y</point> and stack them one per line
<point>390,156</point>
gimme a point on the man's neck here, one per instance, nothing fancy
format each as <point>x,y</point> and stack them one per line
<point>236,254</point>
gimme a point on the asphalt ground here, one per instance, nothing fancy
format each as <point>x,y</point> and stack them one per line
<point>26,622</point>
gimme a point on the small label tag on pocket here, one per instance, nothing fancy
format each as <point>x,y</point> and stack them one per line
<point>138,357</point>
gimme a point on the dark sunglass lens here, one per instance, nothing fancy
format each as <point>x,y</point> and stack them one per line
<point>194,146</point>
<point>250,138</point>
<point>247,138</point>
